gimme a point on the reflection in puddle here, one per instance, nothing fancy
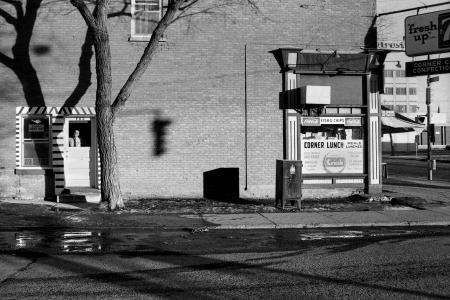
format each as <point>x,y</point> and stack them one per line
<point>67,241</point>
<point>331,235</point>
<point>82,241</point>
<point>346,234</point>
<point>26,240</point>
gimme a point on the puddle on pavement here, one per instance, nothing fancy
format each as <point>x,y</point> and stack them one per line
<point>347,234</point>
<point>140,240</point>
<point>398,207</point>
<point>69,242</point>
<point>84,241</point>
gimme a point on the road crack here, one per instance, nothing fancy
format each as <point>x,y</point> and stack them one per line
<point>20,270</point>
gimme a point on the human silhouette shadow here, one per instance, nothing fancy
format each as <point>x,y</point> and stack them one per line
<point>159,129</point>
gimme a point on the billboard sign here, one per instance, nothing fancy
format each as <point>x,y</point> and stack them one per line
<point>332,156</point>
<point>318,121</point>
<point>427,33</point>
<point>428,67</point>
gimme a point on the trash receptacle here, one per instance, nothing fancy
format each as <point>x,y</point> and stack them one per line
<point>288,182</point>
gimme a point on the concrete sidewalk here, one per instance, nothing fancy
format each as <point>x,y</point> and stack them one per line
<point>438,216</point>
<point>430,207</point>
<point>401,216</point>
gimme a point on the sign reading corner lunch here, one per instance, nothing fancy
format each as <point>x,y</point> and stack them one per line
<point>427,33</point>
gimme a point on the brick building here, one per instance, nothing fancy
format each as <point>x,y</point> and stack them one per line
<point>208,103</point>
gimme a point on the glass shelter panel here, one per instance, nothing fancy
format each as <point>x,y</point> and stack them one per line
<point>36,142</point>
<point>332,145</point>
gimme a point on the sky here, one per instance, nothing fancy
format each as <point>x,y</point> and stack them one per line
<point>391,28</point>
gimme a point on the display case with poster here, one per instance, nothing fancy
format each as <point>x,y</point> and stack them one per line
<point>332,145</point>
<point>36,142</point>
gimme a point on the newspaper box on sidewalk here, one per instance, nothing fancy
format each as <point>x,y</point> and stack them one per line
<point>288,182</point>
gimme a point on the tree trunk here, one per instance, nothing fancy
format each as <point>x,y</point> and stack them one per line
<point>392,144</point>
<point>110,187</point>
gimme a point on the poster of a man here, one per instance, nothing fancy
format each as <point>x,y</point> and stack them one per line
<point>75,141</point>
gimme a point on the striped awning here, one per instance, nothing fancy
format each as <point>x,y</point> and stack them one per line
<point>392,122</point>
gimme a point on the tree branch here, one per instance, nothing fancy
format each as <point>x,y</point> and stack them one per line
<point>8,18</point>
<point>147,56</point>
<point>18,6</point>
<point>7,61</point>
<point>85,13</point>
<point>188,5</point>
<point>206,11</point>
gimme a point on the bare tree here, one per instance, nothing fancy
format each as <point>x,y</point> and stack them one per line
<point>107,108</point>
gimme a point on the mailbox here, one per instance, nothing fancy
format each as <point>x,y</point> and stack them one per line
<point>288,182</point>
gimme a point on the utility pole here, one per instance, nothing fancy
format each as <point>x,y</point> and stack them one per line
<point>428,102</point>
<point>431,164</point>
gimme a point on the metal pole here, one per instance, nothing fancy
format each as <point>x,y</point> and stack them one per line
<point>245,119</point>
<point>428,102</point>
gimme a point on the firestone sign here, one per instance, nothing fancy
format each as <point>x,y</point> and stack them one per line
<point>391,45</point>
<point>427,33</point>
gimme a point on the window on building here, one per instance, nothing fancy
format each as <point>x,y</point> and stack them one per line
<point>331,110</point>
<point>412,91</point>
<point>389,107</point>
<point>36,142</point>
<point>400,108</point>
<point>400,91</point>
<point>292,59</point>
<point>145,15</point>
<point>388,73</point>
<point>389,91</point>
<point>345,110</point>
<point>342,110</point>
<point>356,110</point>
<point>413,108</point>
<point>400,73</point>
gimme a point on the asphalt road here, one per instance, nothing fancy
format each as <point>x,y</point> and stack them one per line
<point>418,169</point>
<point>381,263</point>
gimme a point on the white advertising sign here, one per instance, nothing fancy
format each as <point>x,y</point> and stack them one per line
<point>391,45</point>
<point>317,121</point>
<point>332,156</point>
<point>427,33</point>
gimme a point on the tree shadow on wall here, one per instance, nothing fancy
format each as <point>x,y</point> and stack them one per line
<point>20,62</point>
<point>84,63</point>
<point>85,73</point>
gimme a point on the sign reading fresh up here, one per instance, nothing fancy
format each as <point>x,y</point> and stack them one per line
<point>427,33</point>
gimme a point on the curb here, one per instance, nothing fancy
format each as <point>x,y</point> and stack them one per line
<point>201,228</point>
<point>342,225</point>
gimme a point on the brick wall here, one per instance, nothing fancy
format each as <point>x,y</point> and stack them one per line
<point>193,95</point>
